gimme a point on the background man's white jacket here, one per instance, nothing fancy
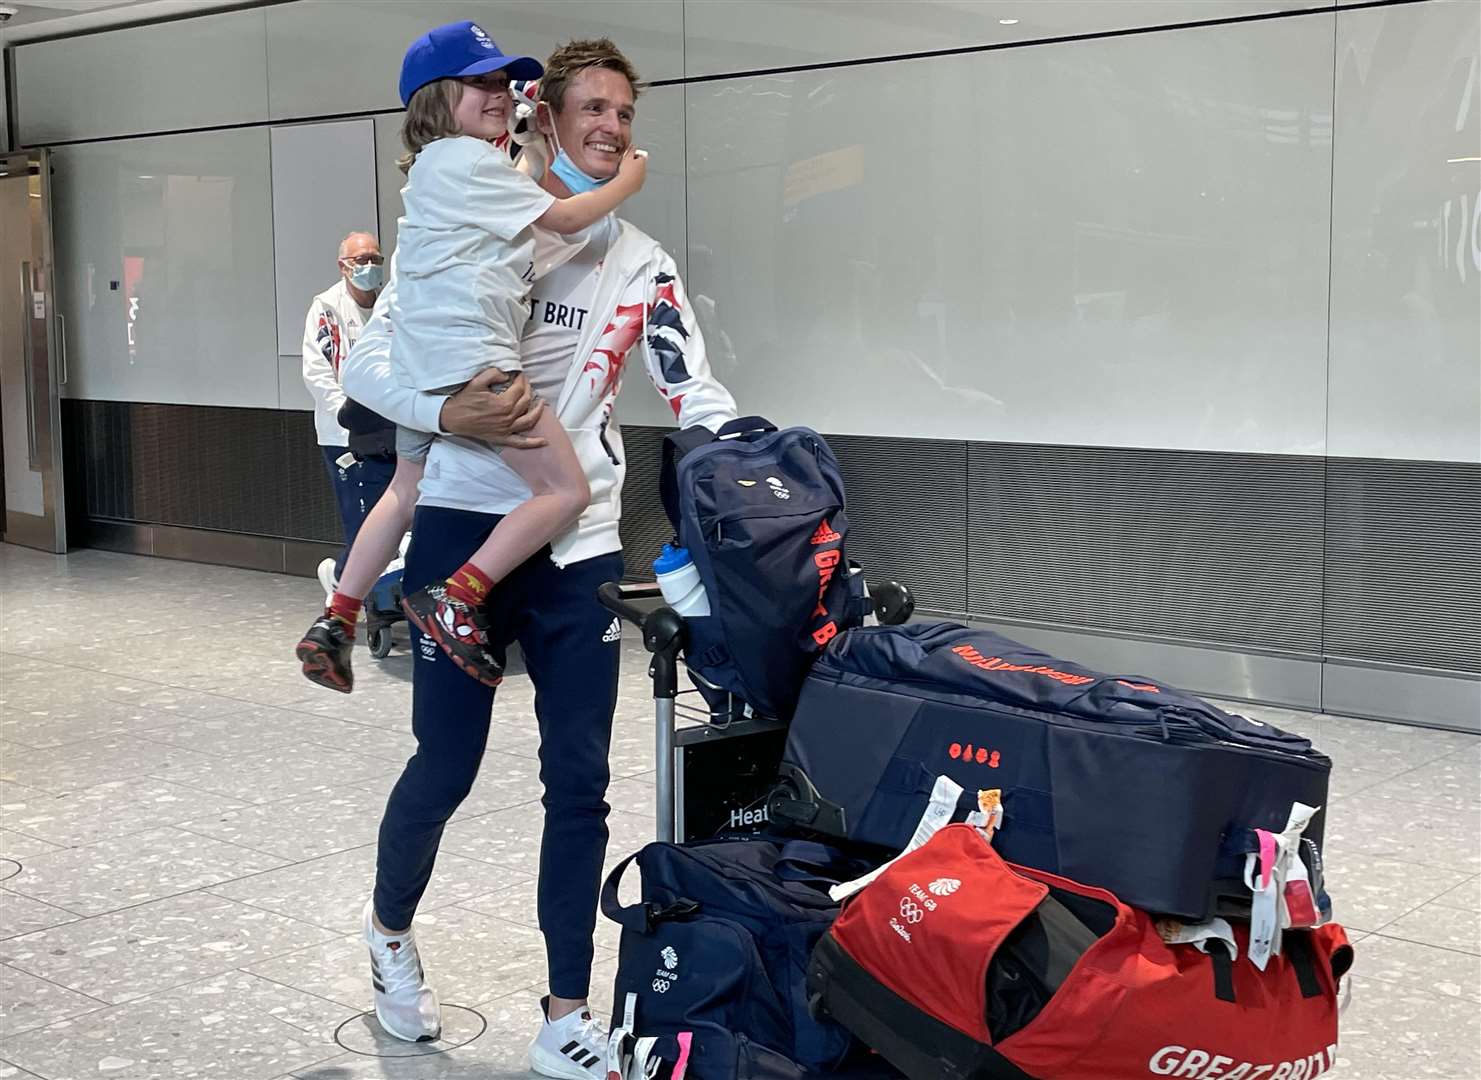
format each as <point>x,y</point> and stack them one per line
<point>330,330</point>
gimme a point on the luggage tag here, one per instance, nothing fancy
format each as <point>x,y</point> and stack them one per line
<point>988,817</point>
<point>1175,932</point>
<point>1259,876</point>
<point>1298,903</point>
<point>1270,912</point>
<point>1312,856</point>
<point>1297,899</point>
<point>645,1063</point>
<point>939,812</point>
<point>620,1042</point>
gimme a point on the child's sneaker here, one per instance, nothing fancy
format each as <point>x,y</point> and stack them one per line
<point>325,652</point>
<point>460,628</point>
<point>405,1005</point>
<point>574,1047</point>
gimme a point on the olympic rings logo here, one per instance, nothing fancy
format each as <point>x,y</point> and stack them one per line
<point>910,911</point>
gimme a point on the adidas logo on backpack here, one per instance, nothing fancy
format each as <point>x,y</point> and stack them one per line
<point>824,535</point>
<point>614,632</point>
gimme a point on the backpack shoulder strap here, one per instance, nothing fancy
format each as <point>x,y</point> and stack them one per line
<point>675,445</point>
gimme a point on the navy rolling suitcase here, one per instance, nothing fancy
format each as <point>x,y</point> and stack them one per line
<point>1115,781</point>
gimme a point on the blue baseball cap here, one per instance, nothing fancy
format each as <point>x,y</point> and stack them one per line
<point>460,48</point>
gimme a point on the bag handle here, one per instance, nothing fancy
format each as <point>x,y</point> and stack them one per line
<point>745,425</point>
<point>811,863</point>
<point>1298,950</point>
<point>642,917</point>
<point>1223,965</point>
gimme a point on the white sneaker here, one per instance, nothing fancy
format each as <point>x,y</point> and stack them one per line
<point>327,578</point>
<point>573,1047</point>
<point>404,1004</point>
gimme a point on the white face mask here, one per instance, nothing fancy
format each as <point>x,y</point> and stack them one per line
<point>369,277</point>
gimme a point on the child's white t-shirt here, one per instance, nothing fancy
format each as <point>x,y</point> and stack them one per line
<point>464,264</point>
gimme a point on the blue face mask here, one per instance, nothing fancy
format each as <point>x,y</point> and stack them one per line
<point>563,167</point>
<point>369,277</point>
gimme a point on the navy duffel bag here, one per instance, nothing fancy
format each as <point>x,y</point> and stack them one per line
<point>718,947</point>
<point>1114,781</point>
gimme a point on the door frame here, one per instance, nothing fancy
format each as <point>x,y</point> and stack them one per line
<point>47,340</point>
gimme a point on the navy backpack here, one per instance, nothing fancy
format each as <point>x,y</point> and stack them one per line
<point>761,512</point>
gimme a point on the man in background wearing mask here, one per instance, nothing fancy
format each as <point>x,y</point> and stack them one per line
<point>334,322</point>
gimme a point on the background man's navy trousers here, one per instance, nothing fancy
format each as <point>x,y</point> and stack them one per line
<point>357,488</point>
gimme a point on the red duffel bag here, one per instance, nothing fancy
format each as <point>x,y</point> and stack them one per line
<point>954,963</point>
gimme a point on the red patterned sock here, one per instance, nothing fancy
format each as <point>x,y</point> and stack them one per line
<point>346,609</point>
<point>470,585</point>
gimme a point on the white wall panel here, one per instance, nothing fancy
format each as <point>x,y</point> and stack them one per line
<point>1406,223</point>
<point>389,180</point>
<point>1119,242</point>
<point>192,73</point>
<point>165,260</point>
<point>292,393</point>
<point>323,189</point>
<point>750,35</point>
<point>327,57</point>
<point>659,210</point>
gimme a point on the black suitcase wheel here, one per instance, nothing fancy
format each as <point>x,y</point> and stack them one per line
<point>796,803</point>
<point>893,603</point>
<point>380,642</point>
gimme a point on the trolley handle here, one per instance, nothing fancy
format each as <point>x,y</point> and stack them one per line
<point>615,597</point>
<point>662,627</point>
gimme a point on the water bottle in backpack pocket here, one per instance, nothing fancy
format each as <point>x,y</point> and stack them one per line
<point>678,580</point>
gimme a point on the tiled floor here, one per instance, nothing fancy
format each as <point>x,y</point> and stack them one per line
<point>190,828</point>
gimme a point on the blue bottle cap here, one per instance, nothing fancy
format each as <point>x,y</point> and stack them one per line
<point>671,559</point>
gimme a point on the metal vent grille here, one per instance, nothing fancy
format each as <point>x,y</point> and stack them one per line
<point>311,512</point>
<point>907,513</point>
<point>1366,560</point>
<point>254,471</point>
<point>1403,562</point>
<point>1223,548</point>
<point>645,527</point>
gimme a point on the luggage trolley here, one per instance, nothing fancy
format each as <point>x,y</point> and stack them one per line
<point>383,610</point>
<point>718,772</point>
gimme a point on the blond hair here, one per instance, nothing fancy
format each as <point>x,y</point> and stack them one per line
<point>429,117</point>
<point>574,57</point>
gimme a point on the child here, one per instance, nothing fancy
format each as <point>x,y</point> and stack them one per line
<point>457,303</point>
